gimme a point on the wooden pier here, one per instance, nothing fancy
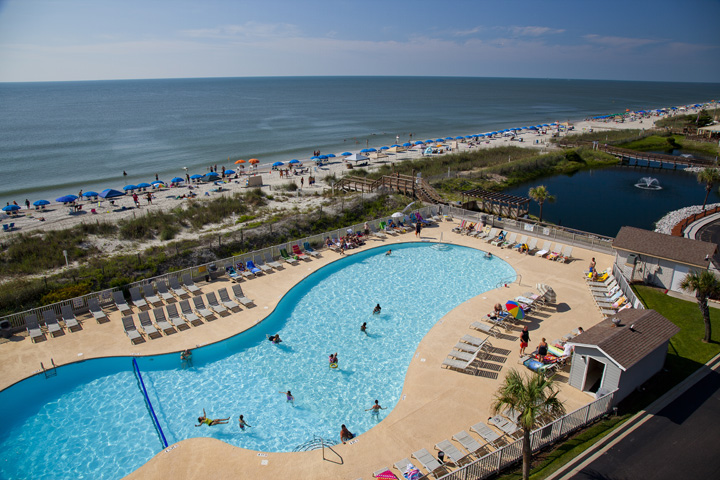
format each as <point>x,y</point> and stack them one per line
<point>634,158</point>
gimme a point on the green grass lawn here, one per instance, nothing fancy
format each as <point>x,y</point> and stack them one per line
<point>686,353</point>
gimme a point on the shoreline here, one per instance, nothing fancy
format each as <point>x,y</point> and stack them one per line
<point>58,216</point>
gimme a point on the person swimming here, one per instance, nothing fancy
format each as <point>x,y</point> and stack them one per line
<point>243,423</point>
<point>388,252</point>
<point>376,408</point>
<point>363,328</point>
<point>209,422</point>
<point>377,309</point>
<point>333,359</point>
<point>488,255</point>
<point>289,396</point>
<point>345,434</point>
<point>274,338</point>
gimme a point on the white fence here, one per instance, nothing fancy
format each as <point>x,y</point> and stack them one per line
<point>511,453</point>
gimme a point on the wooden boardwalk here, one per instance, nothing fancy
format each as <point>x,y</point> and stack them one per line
<point>405,184</point>
<point>632,157</point>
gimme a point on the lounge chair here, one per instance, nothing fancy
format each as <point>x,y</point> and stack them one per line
<point>601,283</point>
<point>147,325</point>
<point>175,318</point>
<point>403,464</point>
<point>177,289</point>
<point>489,329</point>
<point>253,268</point>
<point>288,258</point>
<point>522,241</point>
<point>310,251</point>
<point>475,341</point>
<point>546,369</point>
<point>216,306</point>
<point>490,436</point>
<point>463,356</point>
<point>460,228</point>
<point>434,215</point>
<point>499,239</point>
<point>243,270</point>
<point>555,253</point>
<point>299,253</point>
<point>50,319</point>
<point>532,246</point>
<point>96,311</point>
<point>507,426</point>
<point>68,317</point>
<point>544,250</point>
<point>386,228</point>
<point>271,261</point>
<point>429,462</point>
<point>451,452</point>
<point>240,296</point>
<point>464,366</point>
<point>201,309</point>
<point>375,232</point>
<point>262,266</point>
<point>566,255</point>
<point>468,443</point>
<point>466,347</point>
<point>190,285</point>
<point>491,235</point>
<point>137,299</point>
<point>121,303</point>
<point>33,329</point>
<point>188,313</point>
<point>161,321</point>
<point>233,274</point>
<point>225,299</point>
<point>150,296</point>
<point>131,331</point>
<point>482,232</point>
<point>162,290</point>
<point>509,241</point>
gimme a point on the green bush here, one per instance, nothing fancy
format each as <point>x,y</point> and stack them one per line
<point>65,293</point>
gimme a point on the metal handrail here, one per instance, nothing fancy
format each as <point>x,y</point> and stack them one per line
<point>149,403</point>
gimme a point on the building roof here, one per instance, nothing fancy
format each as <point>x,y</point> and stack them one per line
<point>668,247</point>
<point>626,346</point>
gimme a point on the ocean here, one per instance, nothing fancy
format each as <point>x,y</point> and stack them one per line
<point>57,138</point>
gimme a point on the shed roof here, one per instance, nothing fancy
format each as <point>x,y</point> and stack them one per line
<point>668,247</point>
<point>626,346</point>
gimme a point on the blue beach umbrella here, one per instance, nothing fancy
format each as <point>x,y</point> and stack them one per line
<point>459,138</point>
<point>66,199</point>
<point>394,145</point>
<point>278,164</point>
<point>419,142</point>
<point>331,155</point>
<point>144,185</point>
<point>110,193</point>
<point>129,187</point>
<point>430,140</point>
<point>468,136</point>
<point>323,157</point>
<point>40,203</point>
<point>229,172</point>
<point>318,158</point>
<point>367,150</point>
<point>212,174</point>
<point>345,154</point>
<point>294,160</point>
<point>177,180</point>
<point>195,177</point>
<point>384,148</point>
<point>448,138</point>
<point>407,144</point>
<point>11,208</point>
<point>90,194</point>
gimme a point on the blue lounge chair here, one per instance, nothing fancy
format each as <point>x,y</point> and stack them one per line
<point>251,266</point>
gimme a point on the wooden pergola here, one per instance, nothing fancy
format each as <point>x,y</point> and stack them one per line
<point>497,203</point>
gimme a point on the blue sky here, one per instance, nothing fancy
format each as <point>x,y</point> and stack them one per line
<point>53,40</point>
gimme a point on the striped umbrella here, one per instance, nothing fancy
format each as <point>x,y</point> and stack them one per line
<point>514,309</point>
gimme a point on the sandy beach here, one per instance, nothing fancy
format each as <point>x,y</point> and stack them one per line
<point>59,216</point>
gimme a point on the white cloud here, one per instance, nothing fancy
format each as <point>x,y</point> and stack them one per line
<point>248,30</point>
<point>619,42</point>
<point>533,31</point>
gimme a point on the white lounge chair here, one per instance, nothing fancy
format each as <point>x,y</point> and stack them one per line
<point>532,245</point>
<point>50,319</point>
<point>261,265</point>
<point>201,309</point>
<point>566,255</point>
<point>33,328</point>
<point>177,289</point>
<point>96,311</point>
<point>509,240</point>
<point>429,462</point>
<point>491,236</point>
<point>451,452</point>
<point>482,327</point>
<point>544,250</point>
<point>270,261</point>
<point>468,442</point>
<point>490,436</point>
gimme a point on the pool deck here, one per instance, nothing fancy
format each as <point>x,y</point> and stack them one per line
<point>435,403</point>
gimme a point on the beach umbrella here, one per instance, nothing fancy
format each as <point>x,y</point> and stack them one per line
<point>459,138</point>
<point>318,158</point>
<point>468,136</point>
<point>407,144</point>
<point>12,208</point>
<point>278,164</point>
<point>177,180</point>
<point>367,150</point>
<point>346,154</point>
<point>90,194</point>
<point>39,203</point>
<point>384,148</point>
<point>394,145</point>
<point>129,187</point>
<point>229,172</point>
<point>514,309</point>
<point>419,142</point>
<point>323,157</point>
<point>144,185</point>
<point>547,292</point>
<point>110,193</point>
<point>398,215</point>
<point>239,161</point>
<point>157,183</point>
<point>195,177</point>
<point>294,160</point>
<point>331,155</point>
<point>66,199</point>
<point>254,161</point>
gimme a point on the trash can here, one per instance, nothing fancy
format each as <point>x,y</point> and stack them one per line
<point>213,271</point>
<point>5,329</point>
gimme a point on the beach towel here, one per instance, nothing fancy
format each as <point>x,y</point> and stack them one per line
<point>386,475</point>
<point>411,472</point>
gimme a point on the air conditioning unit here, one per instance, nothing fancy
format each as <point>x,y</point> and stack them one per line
<point>631,260</point>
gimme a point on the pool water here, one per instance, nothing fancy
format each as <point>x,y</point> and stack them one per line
<point>91,421</point>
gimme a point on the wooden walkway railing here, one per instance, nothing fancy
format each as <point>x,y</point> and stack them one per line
<point>680,227</point>
<point>405,184</point>
<point>624,153</point>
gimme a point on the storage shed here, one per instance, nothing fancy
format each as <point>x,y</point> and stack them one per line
<point>658,259</point>
<point>621,352</point>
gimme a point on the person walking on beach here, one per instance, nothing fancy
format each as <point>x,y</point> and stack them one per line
<point>27,203</point>
<point>418,228</point>
<point>136,200</point>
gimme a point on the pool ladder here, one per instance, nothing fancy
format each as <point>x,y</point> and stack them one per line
<point>49,372</point>
<point>316,443</point>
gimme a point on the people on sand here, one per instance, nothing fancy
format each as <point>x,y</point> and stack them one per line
<point>345,434</point>
<point>274,338</point>
<point>377,309</point>
<point>209,422</point>
<point>418,229</point>
<point>375,408</point>
<point>542,348</point>
<point>591,268</point>
<point>524,340</point>
<point>363,328</point>
<point>289,397</point>
<point>243,423</point>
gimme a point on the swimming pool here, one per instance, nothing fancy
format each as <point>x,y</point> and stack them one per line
<point>91,421</point>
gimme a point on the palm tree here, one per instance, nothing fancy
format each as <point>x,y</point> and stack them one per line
<point>531,396</point>
<point>704,284</point>
<point>541,195</point>
<point>708,176</point>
